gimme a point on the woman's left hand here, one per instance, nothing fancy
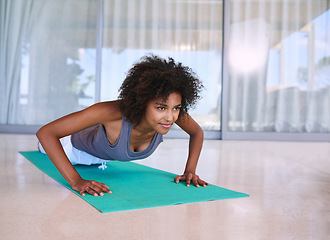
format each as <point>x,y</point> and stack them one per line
<point>191,177</point>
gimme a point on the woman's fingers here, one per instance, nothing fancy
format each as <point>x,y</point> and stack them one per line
<point>93,188</point>
<point>91,191</point>
<point>195,181</point>
<point>179,178</point>
<point>105,188</point>
<point>82,192</point>
<point>186,177</point>
<point>203,183</point>
<point>191,178</point>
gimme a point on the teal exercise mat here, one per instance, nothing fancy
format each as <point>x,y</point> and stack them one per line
<point>134,186</point>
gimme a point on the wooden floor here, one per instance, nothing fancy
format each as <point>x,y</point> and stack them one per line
<point>288,184</point>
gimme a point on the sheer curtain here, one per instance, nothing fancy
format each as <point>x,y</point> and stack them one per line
<point>47,62</point>
<point>48,52</point>
<point>15,22</point>
<point>189,31</point>
<point>279,59</point>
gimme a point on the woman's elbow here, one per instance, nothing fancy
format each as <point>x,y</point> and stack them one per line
<point>40,133</point>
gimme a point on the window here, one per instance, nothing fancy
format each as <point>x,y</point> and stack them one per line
<point>279,61</point>
<point>58,53</point>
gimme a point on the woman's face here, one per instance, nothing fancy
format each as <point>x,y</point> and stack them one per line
<point>160,115</point>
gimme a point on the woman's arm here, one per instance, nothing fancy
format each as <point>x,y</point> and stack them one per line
<point>50,134</point>
<point>188,124</point>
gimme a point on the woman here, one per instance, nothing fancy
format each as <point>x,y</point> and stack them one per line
<point>155,94</point>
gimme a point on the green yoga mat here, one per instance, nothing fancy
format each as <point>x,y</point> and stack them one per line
<point>134,186</point>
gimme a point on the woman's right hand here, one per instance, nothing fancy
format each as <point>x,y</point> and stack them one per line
<point>91,187</point>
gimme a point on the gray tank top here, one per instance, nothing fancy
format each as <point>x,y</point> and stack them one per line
<point>94,141</point>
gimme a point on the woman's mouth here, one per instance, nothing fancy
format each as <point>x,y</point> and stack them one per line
<point>166,125</point>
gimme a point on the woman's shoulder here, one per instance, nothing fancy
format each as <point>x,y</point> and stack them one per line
<point>108,111</point>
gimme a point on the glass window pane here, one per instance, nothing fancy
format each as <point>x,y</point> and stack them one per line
<point>279,59</point>
<point>188,31</point>
<point>54,42</point>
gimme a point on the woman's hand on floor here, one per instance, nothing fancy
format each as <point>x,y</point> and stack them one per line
<point>191,177</point>
<point>91,187</point>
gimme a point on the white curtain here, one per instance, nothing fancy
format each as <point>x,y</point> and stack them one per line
<point>279,60</point>
<point>15,21</point>
<point>45,62</point>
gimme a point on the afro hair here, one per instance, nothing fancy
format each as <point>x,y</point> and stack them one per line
<point>152,78</point>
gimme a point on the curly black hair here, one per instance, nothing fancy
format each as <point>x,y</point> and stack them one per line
<point>152,78</point>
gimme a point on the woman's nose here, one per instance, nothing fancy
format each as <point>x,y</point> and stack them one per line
<point>170,116</point>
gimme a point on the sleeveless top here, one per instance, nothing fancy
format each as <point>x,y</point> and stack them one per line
<point>94,141</point>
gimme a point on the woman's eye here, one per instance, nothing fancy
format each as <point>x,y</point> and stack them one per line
<point>161,108</point>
